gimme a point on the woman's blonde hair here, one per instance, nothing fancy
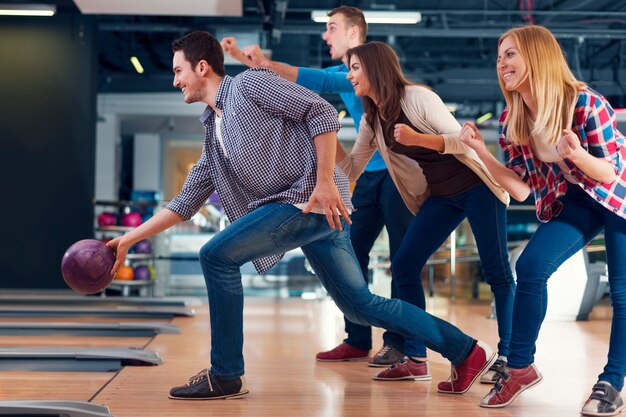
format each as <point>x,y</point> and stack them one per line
<point>552,84</point>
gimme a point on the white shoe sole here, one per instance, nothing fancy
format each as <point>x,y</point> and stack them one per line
<point>535,383</point>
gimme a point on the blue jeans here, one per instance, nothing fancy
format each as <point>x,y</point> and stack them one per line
<point>378,204</point>
<point>437,218</point>
<point>277,227</point>
<point>552,244</point>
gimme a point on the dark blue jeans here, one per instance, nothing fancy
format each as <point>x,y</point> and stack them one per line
<point>276,227</point>
<point>552,244</point>
<point>378,204</point>
<point>437,218</point>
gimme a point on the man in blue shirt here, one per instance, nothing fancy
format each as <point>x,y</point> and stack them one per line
<point>376,200</point>
<point>269,152</point>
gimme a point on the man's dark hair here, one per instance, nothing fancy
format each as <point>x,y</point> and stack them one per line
<point>354,17</point>
<point>198,46</point>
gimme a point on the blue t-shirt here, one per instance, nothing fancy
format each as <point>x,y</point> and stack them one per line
<point>333,80</point>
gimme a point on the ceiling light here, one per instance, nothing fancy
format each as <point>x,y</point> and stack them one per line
<point>484,118</point>
<point>397,17</point>
<point>27,10</point>
<point>221,8</point>
<point>135,61</point>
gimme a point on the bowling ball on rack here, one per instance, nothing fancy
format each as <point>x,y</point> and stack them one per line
<point>125,273</point>
<point>107,219</point>
<point>143,246</point>
<point>86,266</point>
<point>132,219</point>
<point>142,273</point>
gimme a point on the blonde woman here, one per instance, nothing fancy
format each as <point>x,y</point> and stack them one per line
<point>561,143</point>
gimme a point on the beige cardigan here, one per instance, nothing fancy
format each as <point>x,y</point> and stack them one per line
<point>427,113</point>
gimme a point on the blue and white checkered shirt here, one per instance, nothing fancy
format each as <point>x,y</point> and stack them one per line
<point>268,126</point>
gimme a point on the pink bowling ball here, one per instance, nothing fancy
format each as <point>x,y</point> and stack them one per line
<point>107,219</point>
<point>131,219</point>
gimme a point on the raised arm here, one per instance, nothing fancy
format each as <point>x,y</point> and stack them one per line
<point>229,46</point>
<point>252,56</point>
<point>327,80</point>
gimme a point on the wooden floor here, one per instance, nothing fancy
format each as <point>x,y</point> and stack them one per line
<point>281,339</point>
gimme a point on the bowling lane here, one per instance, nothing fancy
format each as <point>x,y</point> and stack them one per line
<point>73,341</point>
<point>73,386</point>
<point>85,319</point>
<point>76,341</point>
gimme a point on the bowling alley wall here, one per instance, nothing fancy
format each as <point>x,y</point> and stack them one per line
<point>47,144</point>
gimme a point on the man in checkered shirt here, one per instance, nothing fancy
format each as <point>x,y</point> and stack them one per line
<point>269,153</point>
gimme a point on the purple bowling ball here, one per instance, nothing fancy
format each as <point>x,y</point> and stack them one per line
<point>132,219</point>
<point>143,246</point>
<point>107,219</point>
<point>86,266</point>
<point>142,273</point>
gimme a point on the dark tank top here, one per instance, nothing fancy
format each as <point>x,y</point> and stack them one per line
<point>446,175</point>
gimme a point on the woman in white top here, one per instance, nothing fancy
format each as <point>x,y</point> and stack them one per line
<point>418,138</point>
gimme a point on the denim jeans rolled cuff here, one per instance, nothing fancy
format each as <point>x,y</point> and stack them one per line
<point>358,335</point>
<point>336,267</point>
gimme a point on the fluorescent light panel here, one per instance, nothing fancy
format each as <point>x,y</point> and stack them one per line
<point>398,17</point>
<point>162,7</point>
<point>27,10</point>
<point>135,61</point>
<point>484,118</point>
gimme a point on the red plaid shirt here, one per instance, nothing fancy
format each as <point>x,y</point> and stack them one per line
<point>595,124</point>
